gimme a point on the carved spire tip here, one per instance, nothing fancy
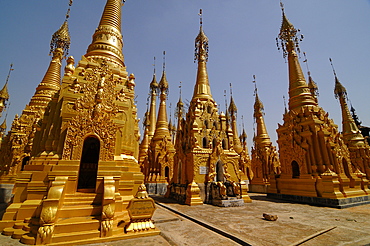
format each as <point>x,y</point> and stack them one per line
<point>200,17</point>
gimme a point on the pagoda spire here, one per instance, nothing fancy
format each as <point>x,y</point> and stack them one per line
<point>4,95</point>
<point>202,88</point>
<point>162,122</point>
<point>351,134</point>
<point>144,145</point>
<point>107,40</point>
<point>233,111</point>
<point>299,92</point>
<point>311,83</point>
<point>179,110</point>
<point>261,136</point>
<point>50,84</point>
<point>152,108</point>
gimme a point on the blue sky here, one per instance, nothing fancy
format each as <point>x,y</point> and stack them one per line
<point>241,39</point>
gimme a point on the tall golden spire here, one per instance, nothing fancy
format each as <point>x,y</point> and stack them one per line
<point>202,88</point>
<point>162,122</point>
<point>50,84</point>
<point>299,93</point>
<point>351,134</point>
<point>261,137</point>
<point>107,40</point>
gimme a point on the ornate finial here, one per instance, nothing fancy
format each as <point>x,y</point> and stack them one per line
<point>146,121</point>
<point>201,43</point>
<point>10,70</point>
<point>255,85</point>
<point>354,116</point>
<point>154,84</point>
<point>286,110</point>
<point>154,66</point>
<point>243,136</point>
<point>232,108</point>
<point>225,99</point>
<point>289,36</point>
<point>170,111</point>
<point>61,38</point>
<point>339,89</point>
<point>200,17</point>
<point>306,61</point>
<point>4,95</point>
<point>282,7</point>
<point>332,66</point>
<point>163,84</point>
<point>3,125</point>
<point>164,60</point>
<point>69,9</point>
<point>180,87</point>
<point>179,106</point>
<point>311,84</point>
<point>258,105</point>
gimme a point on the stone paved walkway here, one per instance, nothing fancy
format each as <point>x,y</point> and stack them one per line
<point>296,222</point>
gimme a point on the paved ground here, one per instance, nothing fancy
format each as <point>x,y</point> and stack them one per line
<point>296,223</point>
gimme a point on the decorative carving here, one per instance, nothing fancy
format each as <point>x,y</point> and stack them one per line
<point>70,68</point>
<point>95,108</point>
<point>49,210</point>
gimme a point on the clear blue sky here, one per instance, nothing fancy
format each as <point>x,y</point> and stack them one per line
<point>241,38</point>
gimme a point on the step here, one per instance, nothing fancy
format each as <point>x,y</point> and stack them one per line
<point>26,227</point>
<point>29,239</point>
<point>19,225</point>
<point>68,225</point>
<point>27,220</point>
<point>76,236</point>
<point>8,231</point>
<point>18,233</point>
<point>84,198</point>
<point>76,211</point>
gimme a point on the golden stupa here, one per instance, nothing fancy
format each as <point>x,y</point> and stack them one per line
<point>316,164</point>
<point>158,164</point>
<point>265,159</point>
<point>76,163</point>
<point>209,155</point>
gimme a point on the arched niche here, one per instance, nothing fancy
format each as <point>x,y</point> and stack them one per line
<point>295,170</point>
<point>167,173</point>
<point>224,144</point>
<point>25,161</point>
<point>205,142</point>
<point>220,177</point>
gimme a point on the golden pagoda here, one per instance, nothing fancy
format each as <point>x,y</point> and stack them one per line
<point>17,146</point>
<point>159,167</point>
<point>83,183</point>
<point>265,160</point>
<point>315,162</point>
<point>356,143</point>
<point>149,124</point>
<point>207,166</point>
